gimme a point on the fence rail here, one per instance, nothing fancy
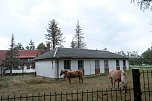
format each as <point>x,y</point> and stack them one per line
<point>93,95</point>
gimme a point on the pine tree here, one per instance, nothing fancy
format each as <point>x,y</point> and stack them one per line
<point>77,41</point>
<point>11,61</point>
<point>19,46</point>
<point>144,4</point>
<point>31,46</point>
<point>41,46</point>
<point>54,36</point>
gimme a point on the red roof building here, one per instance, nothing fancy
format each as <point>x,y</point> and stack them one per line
<point>23,54</point>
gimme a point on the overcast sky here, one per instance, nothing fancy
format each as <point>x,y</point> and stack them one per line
<point>113,24</point>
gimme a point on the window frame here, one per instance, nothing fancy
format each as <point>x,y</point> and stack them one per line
<point>67,64</point>
<point>80,64</point>
<point>117,63</point>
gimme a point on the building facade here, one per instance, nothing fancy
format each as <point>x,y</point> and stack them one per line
<point>92,62</point>
<point>25,57</point>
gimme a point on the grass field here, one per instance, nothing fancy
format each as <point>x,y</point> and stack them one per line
<point>28,84</point>
<point>31,84</point>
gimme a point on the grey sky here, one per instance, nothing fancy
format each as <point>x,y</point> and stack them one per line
<point>113,24</point>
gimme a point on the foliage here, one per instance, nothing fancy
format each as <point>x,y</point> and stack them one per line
<point>11,59</point>
<point>41,46</point>
<point>54,36</point>
<point>134,58</point>
<point>147,56</point>
<point>31,46</point>
<point>19,46</point>
<point>144,4</point>
<point>77,41</point>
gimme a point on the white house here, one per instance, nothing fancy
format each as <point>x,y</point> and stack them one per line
<point>50,63</point>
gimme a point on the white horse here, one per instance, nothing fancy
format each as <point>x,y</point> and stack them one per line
<point>118,76</point>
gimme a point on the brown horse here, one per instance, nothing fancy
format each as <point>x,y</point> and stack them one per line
<point>72,74</point>
<point>118,76</point>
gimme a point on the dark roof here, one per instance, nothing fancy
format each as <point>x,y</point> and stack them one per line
<point>79,53</point>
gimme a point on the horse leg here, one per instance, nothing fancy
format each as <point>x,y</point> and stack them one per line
<point>69,80</point>
<point>112,82</point>
<point>82,79</point>
<point>118,84</point>
<point>79,79</point>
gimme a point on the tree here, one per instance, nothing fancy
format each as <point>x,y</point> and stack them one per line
<point>54,36</point>
<point>134,58</point>
<point>41,46</point>
<point>144,4</point>
<point>11,61</point>
<point>19,46</point>
<point>31,46</point>
<point>147,56</point>
<point>77,41</point>
<point>73,44</point>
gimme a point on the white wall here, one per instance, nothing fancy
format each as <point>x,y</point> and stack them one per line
<point>21,71</point>
<point>87,67</point>
<point>127,64</point>
<point>45,68</point>
<point>102,66</point>
<point>112,64</point>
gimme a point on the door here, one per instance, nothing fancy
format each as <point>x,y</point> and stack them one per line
<point>81,65</point>
<point>97,67</point>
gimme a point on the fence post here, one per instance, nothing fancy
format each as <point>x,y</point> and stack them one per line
<point>136,84</point>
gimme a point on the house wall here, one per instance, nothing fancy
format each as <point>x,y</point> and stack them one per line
<point>112,64</point>
<point>45,68</point>
<point>21,71</point>
<point>89,65</point>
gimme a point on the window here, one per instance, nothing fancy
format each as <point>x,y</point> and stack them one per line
<point>117,63</point>
<point>97,64</point>
<point>124,64</point>
<point>106,65</point>
<point>28,66</point>
<point>67,64</point>
<point>80,64</point>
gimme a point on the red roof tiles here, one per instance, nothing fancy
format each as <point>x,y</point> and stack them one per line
<point>22,54</point>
